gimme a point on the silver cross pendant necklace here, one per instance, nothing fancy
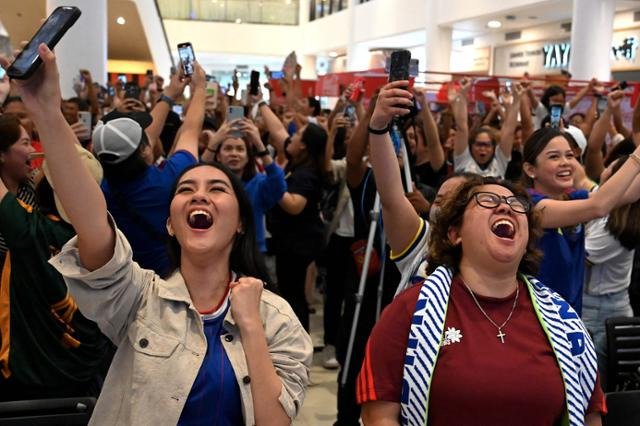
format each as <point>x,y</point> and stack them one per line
<point>500,334</point>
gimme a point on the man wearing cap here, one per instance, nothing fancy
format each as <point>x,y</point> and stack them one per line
<point>48,349</point>
<point>138,193</point>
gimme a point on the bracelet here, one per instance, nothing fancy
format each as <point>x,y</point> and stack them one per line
<point>165,98</point>
<point>378,131</point>
<point>263,153</point>
<point>635,158</point>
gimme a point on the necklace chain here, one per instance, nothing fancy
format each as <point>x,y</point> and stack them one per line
<point>499,327</point>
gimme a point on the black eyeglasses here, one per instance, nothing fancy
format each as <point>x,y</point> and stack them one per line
<point>490,200</point>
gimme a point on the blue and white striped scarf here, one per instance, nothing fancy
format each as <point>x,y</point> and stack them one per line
<point>569,339</point>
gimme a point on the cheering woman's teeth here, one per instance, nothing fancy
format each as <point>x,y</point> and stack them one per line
<point>200,219</point>
<point>503,229</point>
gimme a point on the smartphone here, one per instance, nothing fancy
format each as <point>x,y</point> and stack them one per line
<point>85,118</point>
<point>49,33</point>
<point>414,67</point>
<point>122,78</point>
<point>187,56</point>
<point>350,113</point>
<point>254,87</point>
<point>132,90</point>
<point>235,113</point>
<point>177,108</point>
<point>556,115</point>
<point>277,75</point>
<point>399,67</point>
<point>150,73</point>
<point>2,73</point>
<point>507,86</point>
<point>602,104</point>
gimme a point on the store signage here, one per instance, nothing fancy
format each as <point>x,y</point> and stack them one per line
<point>626,50</point>
<point>556,55</point>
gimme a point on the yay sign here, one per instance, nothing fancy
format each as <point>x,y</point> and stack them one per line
<point>556,55</point>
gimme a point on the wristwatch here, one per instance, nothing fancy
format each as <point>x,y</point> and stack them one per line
<point>167,99</point>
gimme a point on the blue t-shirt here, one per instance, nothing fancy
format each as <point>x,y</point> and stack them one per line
<point>563,262</point>
<point>264,192</point>
<point>215,396</point>
<point>149,196</point>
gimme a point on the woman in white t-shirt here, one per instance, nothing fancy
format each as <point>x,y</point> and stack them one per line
<point>484,153</point>
<point>610,243</point>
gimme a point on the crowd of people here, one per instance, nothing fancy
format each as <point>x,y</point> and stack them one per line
<point>164,261</point>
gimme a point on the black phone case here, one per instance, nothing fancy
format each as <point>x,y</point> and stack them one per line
<point>399,67</point>
<point>255,82</point>
<point>14,73</point>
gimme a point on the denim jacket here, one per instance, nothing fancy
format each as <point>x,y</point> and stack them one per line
<point>161,341</point>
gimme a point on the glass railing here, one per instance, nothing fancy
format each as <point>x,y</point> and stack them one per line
<point>276,12</point>
<point>321,8</point>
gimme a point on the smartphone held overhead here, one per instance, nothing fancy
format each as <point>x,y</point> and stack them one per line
<point>50,33</point>
<point>187,58</point>
<point>235,113</point>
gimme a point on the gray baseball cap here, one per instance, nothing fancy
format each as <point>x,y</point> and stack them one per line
<point>118,135</point>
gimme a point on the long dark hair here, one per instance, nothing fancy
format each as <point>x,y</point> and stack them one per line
<point>9,131</point>
<point>623,221</point>
<point>245,259</point>
<point>314,139</point>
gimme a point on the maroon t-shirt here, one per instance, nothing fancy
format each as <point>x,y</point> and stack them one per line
<point>477,379</point>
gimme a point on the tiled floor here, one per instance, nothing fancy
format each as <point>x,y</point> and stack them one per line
<point>319,408</point>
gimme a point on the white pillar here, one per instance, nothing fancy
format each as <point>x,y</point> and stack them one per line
<point>437,41</point>
<point>357,54</point>
<point>591,37</point>
<point>308,63</point>
<point>153,30</point>
<point>84,46</point>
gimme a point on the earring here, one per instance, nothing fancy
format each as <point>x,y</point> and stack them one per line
<point>532,176</point>
<point>170,233</point>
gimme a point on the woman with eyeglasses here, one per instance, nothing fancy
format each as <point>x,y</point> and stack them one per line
<point>478,340</point>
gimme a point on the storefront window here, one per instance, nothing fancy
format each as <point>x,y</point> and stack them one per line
<point>321,8</point>
<point>277,12</point>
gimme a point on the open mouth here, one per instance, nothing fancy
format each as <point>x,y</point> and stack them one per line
<point>503,229</point>
<point>200,219</point>
<point>564,174</point>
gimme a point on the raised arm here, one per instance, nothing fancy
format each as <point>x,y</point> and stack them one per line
<point>618,123</point>
<point>161,109</point>
<point>582,93</point>
<point>508,129</point>
<point>277,132</point>
<point>526,120</point>
<point>401,222</point>
<point>357,147</point>
<point>435,153</point>
<point>78,191</point>
<point>187,140</point>
<point>458,103</point>
<point>590,118</point>
<point>594,163</point>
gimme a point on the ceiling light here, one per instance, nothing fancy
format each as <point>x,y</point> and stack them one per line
<point>494,24</point>
<point>333,54</point>
<point>288,1</point>
<point>120,20</point>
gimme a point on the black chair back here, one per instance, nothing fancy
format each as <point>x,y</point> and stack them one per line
<point>58,411</point>
<point>623,409</point>
<point>623,353</point>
